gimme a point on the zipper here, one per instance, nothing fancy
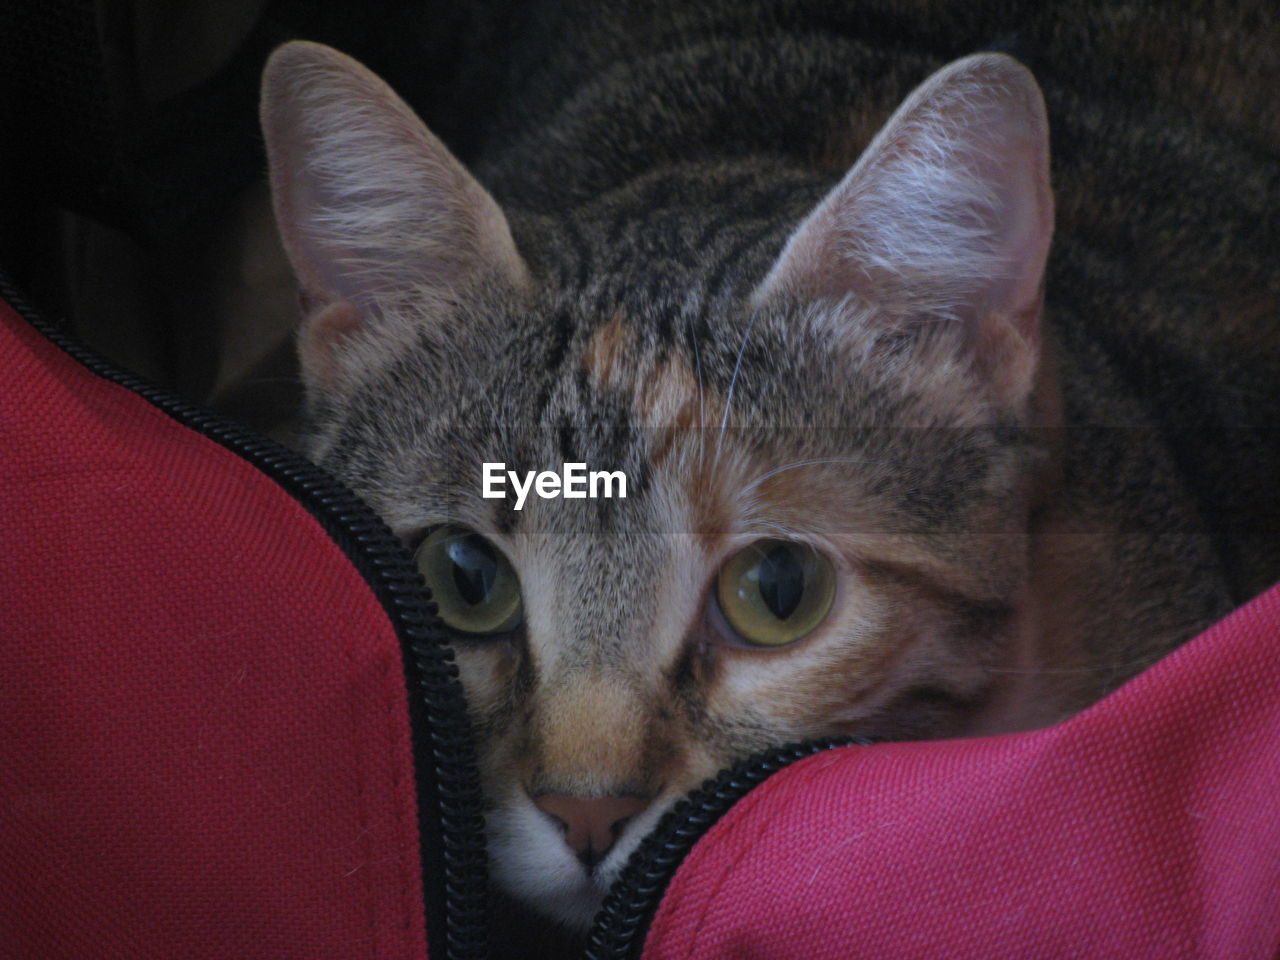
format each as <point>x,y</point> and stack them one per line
<point>451,825</point>
<point>619,929</point>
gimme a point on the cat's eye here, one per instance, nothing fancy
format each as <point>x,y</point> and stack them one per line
<point>775,592</point>
<point>472,583</point>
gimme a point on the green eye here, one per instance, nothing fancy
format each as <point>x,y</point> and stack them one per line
<point>775,592</point>
<point>471,582</point>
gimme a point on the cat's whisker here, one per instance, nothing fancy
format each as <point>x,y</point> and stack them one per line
<point>733,382</point>
<point>754,484</point>
<point>487,390</point>
<point>702,397</point>
<point>779,530</point>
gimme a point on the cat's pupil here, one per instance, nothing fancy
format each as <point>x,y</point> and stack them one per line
<point>781,581</point>
<point>474,568</point>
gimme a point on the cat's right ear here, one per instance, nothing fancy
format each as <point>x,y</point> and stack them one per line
<point>384,227</point>
<point>942,227</point>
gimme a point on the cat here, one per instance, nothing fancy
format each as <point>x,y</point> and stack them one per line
<point>784,266</point>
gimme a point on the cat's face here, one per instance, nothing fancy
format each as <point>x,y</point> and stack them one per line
<point>828,465</point>
<point>622,673</point>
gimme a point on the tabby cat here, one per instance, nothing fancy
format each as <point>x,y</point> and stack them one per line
<point>784,265</point>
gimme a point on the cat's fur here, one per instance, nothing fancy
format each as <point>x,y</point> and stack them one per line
<point>670,270</point>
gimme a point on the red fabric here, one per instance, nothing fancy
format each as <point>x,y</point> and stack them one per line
<point>1147,827</point>
<point>204,742</point>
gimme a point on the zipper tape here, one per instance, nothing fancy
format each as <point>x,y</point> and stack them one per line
<point>619,928</point>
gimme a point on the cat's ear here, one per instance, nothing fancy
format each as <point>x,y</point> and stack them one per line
<point>381,222</point>
<point>946,217</point>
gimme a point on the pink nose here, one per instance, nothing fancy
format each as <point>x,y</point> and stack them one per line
<point>590,824</point>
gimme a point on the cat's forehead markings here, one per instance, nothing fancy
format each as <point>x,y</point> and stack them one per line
<point>670,399</point>
<point>664,389</point>
<point>608,352</point>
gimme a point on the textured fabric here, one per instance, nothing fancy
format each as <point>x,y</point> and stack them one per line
<point>1146,827</point>
<point>204,739</point>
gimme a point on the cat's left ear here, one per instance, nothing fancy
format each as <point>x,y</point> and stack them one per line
<point>386,230</point>
<point>945,219</point>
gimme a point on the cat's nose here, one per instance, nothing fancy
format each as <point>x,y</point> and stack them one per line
<point>590,824</point>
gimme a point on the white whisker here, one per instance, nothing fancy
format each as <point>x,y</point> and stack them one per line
<point>733,382</point>
<point>801,463</point>
<point>702,411</point>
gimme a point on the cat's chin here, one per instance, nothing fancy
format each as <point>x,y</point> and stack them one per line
<point>530,862</point>
<point>571,901</point>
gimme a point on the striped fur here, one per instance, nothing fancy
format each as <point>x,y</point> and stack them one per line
<point>678,267</point>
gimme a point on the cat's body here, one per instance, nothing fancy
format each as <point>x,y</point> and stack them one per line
<point>1019,513</point>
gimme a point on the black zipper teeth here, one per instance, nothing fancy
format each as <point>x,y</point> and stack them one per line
<point>445,757</point>
<point>619,928</point>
